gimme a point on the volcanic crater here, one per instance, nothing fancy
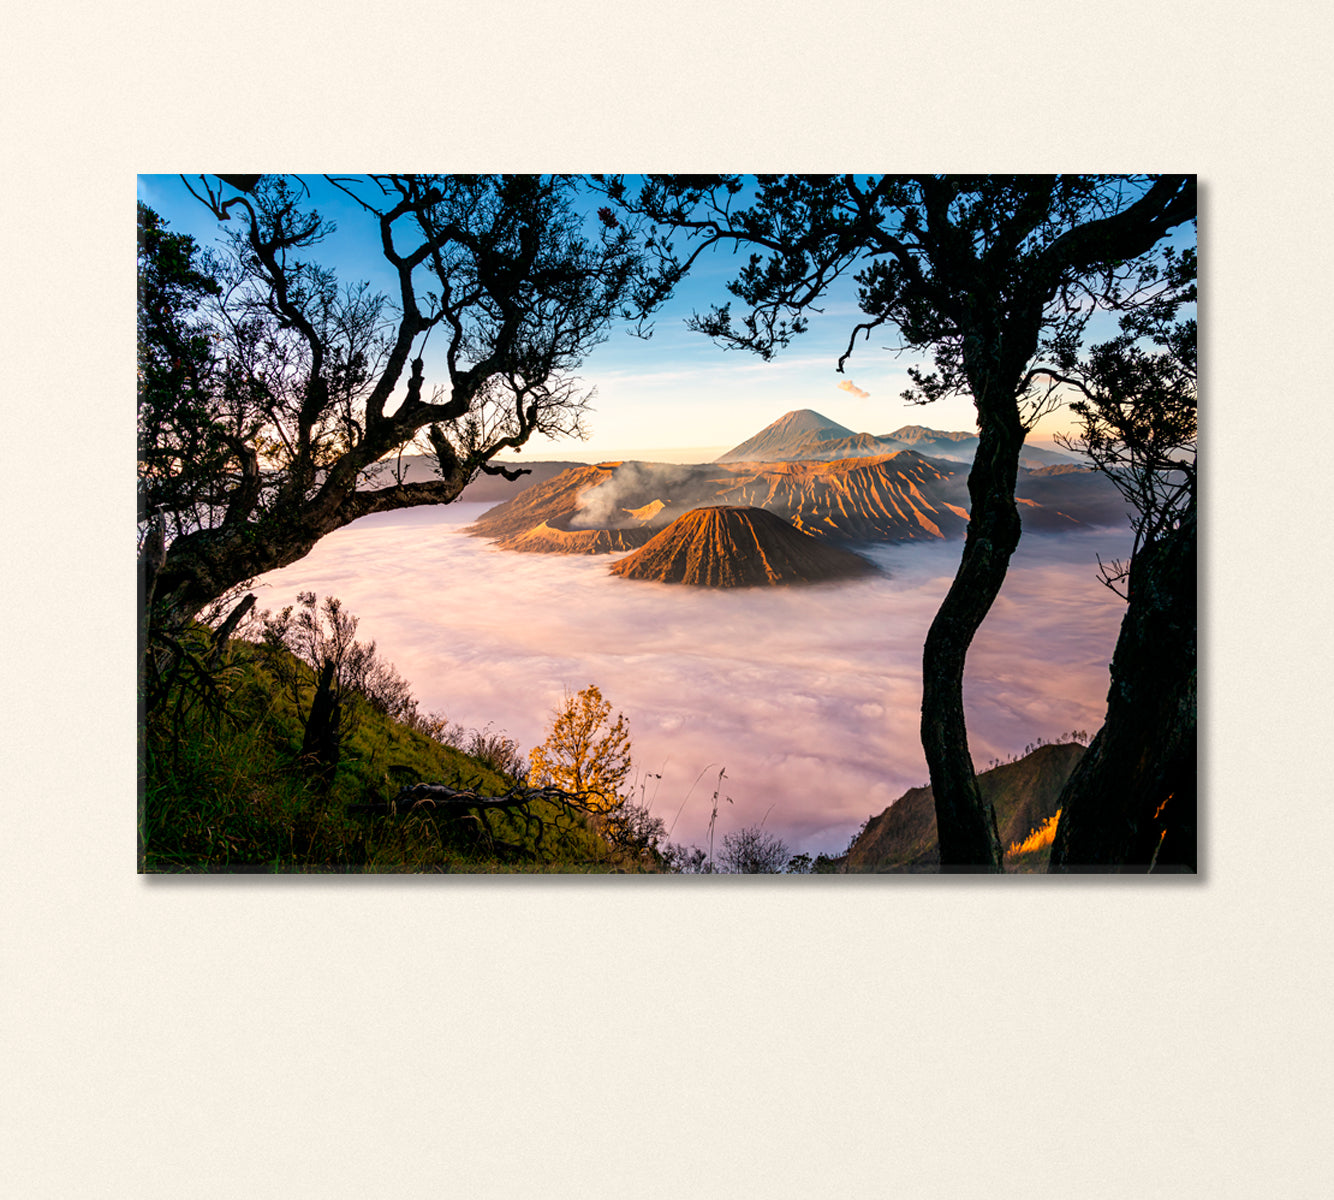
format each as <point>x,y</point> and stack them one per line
<point>738,546</point>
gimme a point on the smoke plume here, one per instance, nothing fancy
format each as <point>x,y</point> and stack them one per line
<point>604,506</point>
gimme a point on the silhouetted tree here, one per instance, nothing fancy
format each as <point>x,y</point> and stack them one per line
<point>1138,412</point>
<point>313,646</point>
<point>1131,802</point>
<point>752,851</point>
<point>799,864</point>
<point>183,448</point>
<point>266,386</point>
<point>995,277</point>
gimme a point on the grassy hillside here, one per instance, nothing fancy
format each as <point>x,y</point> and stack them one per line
<point>224,787</point>
<point>1024,794</point>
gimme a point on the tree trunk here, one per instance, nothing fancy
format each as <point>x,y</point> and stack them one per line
<point>1130,804</point>
<point>151,559</point>
<point>203,565</point>
<point>967,823</point>
<point>321,743</point>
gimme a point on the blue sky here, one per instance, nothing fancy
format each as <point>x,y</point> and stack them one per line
<point>677,391</point>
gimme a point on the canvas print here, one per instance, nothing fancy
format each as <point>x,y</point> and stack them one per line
<point>667,524</point>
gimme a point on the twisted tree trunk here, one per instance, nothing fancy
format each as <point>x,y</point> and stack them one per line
<point>966,821</point>
<point>1131,803</point>
<point>323,737</point>
<point>199,567</point>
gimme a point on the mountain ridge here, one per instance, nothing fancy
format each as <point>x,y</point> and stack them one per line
<point>804,434</point>
<point>899,497</point>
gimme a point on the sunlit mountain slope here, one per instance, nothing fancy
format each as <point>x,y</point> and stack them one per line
<point>728,546</point>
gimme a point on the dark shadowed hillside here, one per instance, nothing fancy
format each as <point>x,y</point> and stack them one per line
<point>738,547</point>
<point>1069,493</point>
<point>1024,793</point>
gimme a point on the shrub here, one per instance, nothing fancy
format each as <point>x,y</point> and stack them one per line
<point>752,851</point>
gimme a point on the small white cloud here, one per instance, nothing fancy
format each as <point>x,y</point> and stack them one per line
<point>848,386</point>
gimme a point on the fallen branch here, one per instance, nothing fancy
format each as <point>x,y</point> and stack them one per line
<point>419,797</point>
<point>430,799</point>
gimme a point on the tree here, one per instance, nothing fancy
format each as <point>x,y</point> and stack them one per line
<point>995,277</point>
<point>182,448</point>
<point>320,653</point>
<point>629,826</point>
<point>586,752</point>
<point>266,388</point>
<point>799,864</point>
<point>1130,803</point>
<point>1138,414</point>
<point>752,851</point>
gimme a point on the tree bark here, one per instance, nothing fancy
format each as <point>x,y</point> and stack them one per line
<point>969,840</point>
<point>1131,803</point>
<point>322,741</point>
<point>152,557</point>
<point>201,566</point>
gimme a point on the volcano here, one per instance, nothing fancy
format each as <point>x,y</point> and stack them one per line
<point>787,437</point>
<point>901,497</point>
<point>897,497</point>
<point>738,547</point>
<point>808,436</point>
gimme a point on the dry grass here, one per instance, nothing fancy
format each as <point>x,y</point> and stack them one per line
<point>1040,839</point>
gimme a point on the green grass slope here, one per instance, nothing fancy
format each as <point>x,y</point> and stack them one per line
<point>223,788</point>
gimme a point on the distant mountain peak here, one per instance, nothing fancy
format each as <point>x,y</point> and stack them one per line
<point>774,440</point>
<point>807,420</point>
<point>920,433</point>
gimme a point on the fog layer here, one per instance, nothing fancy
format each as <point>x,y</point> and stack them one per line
<point>809,697</point>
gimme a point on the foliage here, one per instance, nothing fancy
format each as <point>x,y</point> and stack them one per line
<point>226,790</point>
<point>265,381</point>
<point>586,751</point>
<point>497,750</point>
<point>183,449</point>
<point>936,258</point>
<point>995,277</point>
<point>633,828</point>
<point>686,860</point>
<point>330,675</point>
<point>323,634</point>
<point>752,851</point>
<point>1138,416</point>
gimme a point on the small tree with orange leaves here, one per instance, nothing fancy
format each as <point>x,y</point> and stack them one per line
<point>585,752</point>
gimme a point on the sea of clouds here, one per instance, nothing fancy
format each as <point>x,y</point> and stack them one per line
<point>808,697</point>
